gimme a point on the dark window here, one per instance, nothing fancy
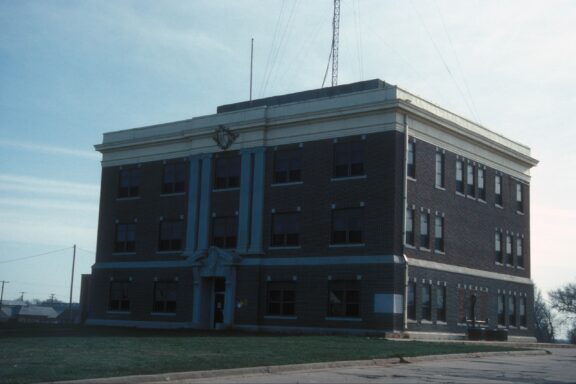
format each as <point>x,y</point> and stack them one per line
<point>519,198</point>
<point>171,236</point>
<point>481,184</point>
<point>227,173</point>
<point>165,293</point>
<point>412,301</point>
<point>424,230</point>
<point>470,180</point>
<point>511,310</point>
<point>281,299</point>
<point>498,189</point>
<point>459,176</point>
<point>439,170</point>
<point>285,229</point>
<point>129,183</point>
<point>347,226</point>
<point>344,299</point>
<point>125,238</point>
<point>520,252</point>
<point>349,159</point>
<point>225,232</point>
<point>501,310</point>
<point>426,302</point>
<point>498,247</point>
<point>439,233</point>
<point>173,180</point>
<point>509,255</point>
<point>441,303</point>
<point>411,160</point>
<point>119,298</point>
<point>288,166</point>
<point>522,312</point>
<point>409,226</point>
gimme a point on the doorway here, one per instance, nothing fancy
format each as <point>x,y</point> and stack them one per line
<point>219,295</point>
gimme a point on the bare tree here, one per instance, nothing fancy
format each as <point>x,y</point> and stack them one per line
<point>544,319</point>
<point>564,299</point>
<point>572,334</point>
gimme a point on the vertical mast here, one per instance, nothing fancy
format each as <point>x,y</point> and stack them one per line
<point>335,41</point>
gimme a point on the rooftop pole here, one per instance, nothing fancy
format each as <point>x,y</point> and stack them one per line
<point>72,282</point>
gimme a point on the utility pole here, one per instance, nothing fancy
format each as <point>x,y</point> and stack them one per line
<point>251,66</point>
<point>2,293</point>
<point>52,298</point>
<point>72,283</point>
<point>22,296</point>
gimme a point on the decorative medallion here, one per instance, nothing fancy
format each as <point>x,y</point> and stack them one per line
<point>224,137</point>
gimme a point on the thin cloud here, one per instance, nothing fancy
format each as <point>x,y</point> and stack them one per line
<point>48,204</point>
<point>49,149</point>
<point>17,183</point>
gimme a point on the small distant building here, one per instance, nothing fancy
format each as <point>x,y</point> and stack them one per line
<point>38,314</point>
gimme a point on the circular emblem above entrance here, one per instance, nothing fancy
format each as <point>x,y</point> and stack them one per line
<point>224,137</point>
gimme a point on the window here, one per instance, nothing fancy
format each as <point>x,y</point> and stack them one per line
<point>441,303</point>
<point>349,159</point>
<point>424,230</point>
<point>409,226</point>
<point>481,184</point>
<point>498,189</point>
<point>439,233</point>
<point>440,170</point>
<point>498,248</point>
<point>171,236</point>
<point>347,226</point>
<point>288,166</point>
<point>511,310</point>
<point>470,179</point>
<point>225,232</point>
<point>281,299</point>
<point>165,293</point>
<point>522,312</point>
<point>411,160</point>
<point>519,198</point>
<point>129,183</point>
<point>119,299</point>
<point>125,238</point>
<point>173,180</point>
<point>344,299</point>
<point>459,176</point>
<point>412,301</point>
<point>509,255</point>
<point>501,310</point>
<point>227,174</point>
<point>520,252</point>
<point>285,229</point>
<point>426,302</point>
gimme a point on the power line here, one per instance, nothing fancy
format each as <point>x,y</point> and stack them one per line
<point>33,256</point>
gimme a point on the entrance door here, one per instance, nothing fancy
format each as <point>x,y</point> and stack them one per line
<point>219,295</point>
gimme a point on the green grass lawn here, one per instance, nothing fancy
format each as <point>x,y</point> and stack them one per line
<point>33,354</point>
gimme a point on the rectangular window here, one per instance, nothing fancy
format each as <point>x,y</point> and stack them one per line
<point>425,230</point>
<point>426,302</point>
<point>349,159</point>
<point>347,226</point>
<point>481,184</point>
<point>439,233</point>
<point>174,178</point>
<point>281,299</point>
<point>441,303</point>
<point>288,166</point>
<point>285,229</point>
<point>344,299</point>
<point>171,236</point>
<point>412,301</point>
<point>501,310</point>
<point>509,255</point>
<point>165,293</point>
<point>225,232</point>
<point>227,172</point>
<point>119,298</point>
<point>498,247</point>
<point>498,189</point>
<point>459,176</point>
<point>409,226</point>
<point>511,310</point>
<point>125,238</point>
<point>129,183</point>
<point>470,180</point>
<point>522,312</point>
<point>519,198</point>
<point>411,160</point>
<point>440,170</point>
<point>520,252</point>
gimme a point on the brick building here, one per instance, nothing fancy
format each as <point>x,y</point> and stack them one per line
<point>357,208</point>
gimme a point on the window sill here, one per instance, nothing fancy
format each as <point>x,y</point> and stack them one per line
<point>424,249</point>
<point>426,321</point>
<point>110,312</point>
<point>520,213</point>
<point>336,318</point>
<point>412,321</point>
<point>168,314</point>
<point>345,178</point>
<point>280,248</point>
<point>411,178</point>
<point>462,325</point>
<point>287,184</point>
<point>123,253</point>
<point>519,267</point>
<point>460,194</point>
<point>498,263</point>
<point>482,201</point>
<point>175,252</point>
<point>471,197</point>
<point>437,252</point>
<point>128,198</point>
<point>172,194</point>
<point>225,189</point>
<point>353,245</point>
<point>409,246</point>
<point>499,206</point>
<point>442,323</point>
<point>440,188</point>
<point>279,317</point>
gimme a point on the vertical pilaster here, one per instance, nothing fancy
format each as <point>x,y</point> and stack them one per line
<point>205,194</point>
<point>245,200</point>
<point>257,201</point>
<point>193,202</point>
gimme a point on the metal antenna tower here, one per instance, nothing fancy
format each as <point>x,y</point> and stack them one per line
<point>335,41</point>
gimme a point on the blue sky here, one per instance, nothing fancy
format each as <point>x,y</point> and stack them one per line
<point>72,70</point>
